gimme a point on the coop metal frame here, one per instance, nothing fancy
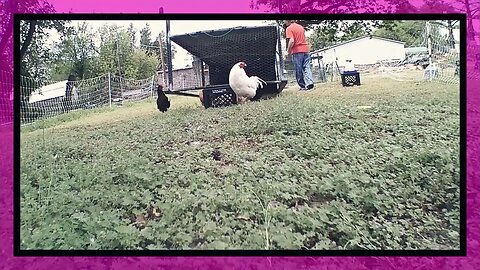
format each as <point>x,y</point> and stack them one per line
<point>280,80</point>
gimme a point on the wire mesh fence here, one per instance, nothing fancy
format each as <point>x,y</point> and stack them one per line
<point>188,77</point>
<point>125,90</point>
<point>322,72</point>
<point>6,97</point>
<point>473,59</point>
<point>428,58</point>
<point>49,98</point>
<point>431,59</point>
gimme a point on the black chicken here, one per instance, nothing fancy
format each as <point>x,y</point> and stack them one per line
<point>162,101</point>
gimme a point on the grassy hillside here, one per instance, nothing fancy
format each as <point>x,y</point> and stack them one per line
<point>369,167</point>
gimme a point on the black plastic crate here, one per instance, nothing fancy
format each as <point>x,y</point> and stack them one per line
<point>350,78</point>
<point>218,96</point>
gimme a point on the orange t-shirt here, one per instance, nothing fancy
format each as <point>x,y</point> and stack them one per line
<point>297,32</point>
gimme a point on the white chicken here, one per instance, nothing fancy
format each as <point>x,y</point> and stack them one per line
<point>245,87</point>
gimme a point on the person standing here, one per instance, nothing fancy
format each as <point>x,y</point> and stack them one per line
<point>298,47</point>
<point>71,82</point>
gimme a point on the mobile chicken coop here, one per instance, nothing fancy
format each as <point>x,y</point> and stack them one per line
<point>216,51</point>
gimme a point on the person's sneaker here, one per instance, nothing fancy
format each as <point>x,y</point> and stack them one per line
<point>310,87</point>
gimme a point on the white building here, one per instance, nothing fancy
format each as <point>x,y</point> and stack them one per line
<point>54,90</point>
<point>50,91</point>
<point>363,51</point>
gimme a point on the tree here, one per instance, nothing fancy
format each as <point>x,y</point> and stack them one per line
<point>410,32</point>
<point>334,6</point>
<point>125,51</point>
<point>76,51</point>
<point>470,7</point>
<point>450,25</point>
<point>38,30</point>
<point>153,47</point>
<point>435,6</point>
<point>132,31</point>
<point>118,55</point>
<point>146,39</point>
<point>116,50</point>
<point>145,65</point>
<point>29,30</point>
<point>36,62</point>
<point>440,42</point>
<point>35,56</point>
<point>27,37</point>
<point>33,32</point>
<point>35,50</point>
<point>156,46</point>
<point>7,9</point>
<point>413,33</point>
<point>329,32</point>
<point>105,60</point>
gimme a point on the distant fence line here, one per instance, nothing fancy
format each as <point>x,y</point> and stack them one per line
<point>43,100</point>
<point>48,98</point>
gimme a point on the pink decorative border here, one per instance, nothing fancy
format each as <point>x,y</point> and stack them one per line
<point>472,261</point>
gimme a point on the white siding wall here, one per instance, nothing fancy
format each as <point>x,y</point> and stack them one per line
<point>365,51</point>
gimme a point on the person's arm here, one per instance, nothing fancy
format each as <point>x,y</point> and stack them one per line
<point>290,40</point>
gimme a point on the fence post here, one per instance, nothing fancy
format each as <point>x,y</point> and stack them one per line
<point>429,46</point>
<point>169,57</point>
<point>120,79</point>
<point>151,87</point>
<point>109,91</point>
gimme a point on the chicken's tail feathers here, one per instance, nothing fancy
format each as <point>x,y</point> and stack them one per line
<point>259,82</point>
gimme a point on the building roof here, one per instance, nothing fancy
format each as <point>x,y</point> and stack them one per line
<point>49,91</point>
<point>355,39</point>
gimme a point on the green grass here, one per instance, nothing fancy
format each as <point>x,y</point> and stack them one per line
<point>302,171</point>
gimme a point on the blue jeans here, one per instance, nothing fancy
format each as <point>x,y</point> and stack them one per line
<point>303,71</point>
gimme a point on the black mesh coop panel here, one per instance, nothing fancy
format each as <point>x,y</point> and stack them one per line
<point>258,47</point>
